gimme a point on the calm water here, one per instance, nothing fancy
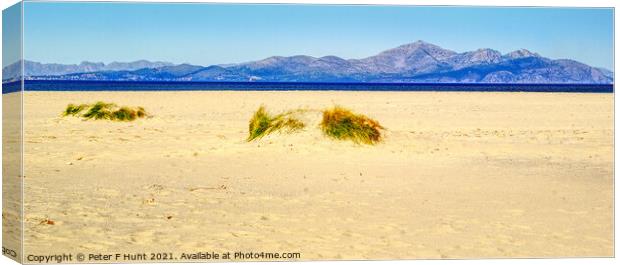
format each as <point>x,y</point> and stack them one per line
<point>32,85</point>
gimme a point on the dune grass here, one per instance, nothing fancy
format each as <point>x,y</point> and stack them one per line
<point>263,123</point>
<point>74,110</point>
<point>105,111</point>
<point>100,111</point>
<point>343,124</point>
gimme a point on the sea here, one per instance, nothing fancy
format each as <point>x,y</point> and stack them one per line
<point>45,85</point>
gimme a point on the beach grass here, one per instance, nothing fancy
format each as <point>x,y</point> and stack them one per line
<point>129,114</point>
<point>263,123</point>
<point>343,124</point>
<point>105,111</point>
<point>74,110</point>
<point>100,111</point>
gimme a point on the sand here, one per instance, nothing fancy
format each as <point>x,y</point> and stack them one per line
<point>459,175</point>
<point>11,176</point>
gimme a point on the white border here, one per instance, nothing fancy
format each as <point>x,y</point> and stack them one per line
<point>551,3</point>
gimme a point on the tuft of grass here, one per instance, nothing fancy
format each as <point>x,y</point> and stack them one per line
<point>140,112</point>
<point>74,110</point>
<point>343,124</point>
<point>125,114</point>
<point>128,114</point>
<point>100,111</point>
<point>105,111</point>
<point>263,123</point>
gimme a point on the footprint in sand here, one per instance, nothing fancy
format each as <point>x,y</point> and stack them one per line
<point>150,201</point>
<point>155,188</point>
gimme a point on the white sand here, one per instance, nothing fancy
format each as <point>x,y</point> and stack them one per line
<point>460,175</point>
<point>11,176</point>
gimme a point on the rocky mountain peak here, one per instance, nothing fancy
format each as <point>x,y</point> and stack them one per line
<point>521,53</point>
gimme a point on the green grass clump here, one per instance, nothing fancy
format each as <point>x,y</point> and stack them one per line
<point>263,123</point>
<point>342,124</point>
<point>128,114</point>
<point>74,110</point>
<point>105,111</point>
<point>100,111</point>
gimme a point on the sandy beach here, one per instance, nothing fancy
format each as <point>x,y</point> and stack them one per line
<point>459,175</point>
<point>11,175</point>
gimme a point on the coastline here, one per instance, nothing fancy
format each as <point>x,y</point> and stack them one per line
<point>102,85</point>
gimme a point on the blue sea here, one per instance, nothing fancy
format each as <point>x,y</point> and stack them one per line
<point>40,85</point>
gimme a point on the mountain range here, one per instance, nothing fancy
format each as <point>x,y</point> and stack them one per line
<point>417,62</point>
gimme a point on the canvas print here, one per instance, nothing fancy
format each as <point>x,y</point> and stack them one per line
<point>196,132</point>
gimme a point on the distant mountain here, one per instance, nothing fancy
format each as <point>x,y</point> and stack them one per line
<point>418,62</point>
<point>418,57</point>
<point>41,69</point>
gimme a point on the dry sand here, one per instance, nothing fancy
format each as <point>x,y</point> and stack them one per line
<point>11,175</point>
<point>460,175</point>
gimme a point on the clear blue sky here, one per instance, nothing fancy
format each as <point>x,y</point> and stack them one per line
<point>11,42</point>
<point>207,34</point>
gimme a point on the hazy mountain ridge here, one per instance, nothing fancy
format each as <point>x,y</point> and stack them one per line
<point>53,69</point>
<point>418,62</point>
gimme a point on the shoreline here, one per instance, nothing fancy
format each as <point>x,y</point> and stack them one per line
<point>74,85</point>
<point>314,91</point>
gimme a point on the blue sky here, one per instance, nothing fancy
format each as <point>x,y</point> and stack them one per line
<point>207,34</point>
<point>11,26</point>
